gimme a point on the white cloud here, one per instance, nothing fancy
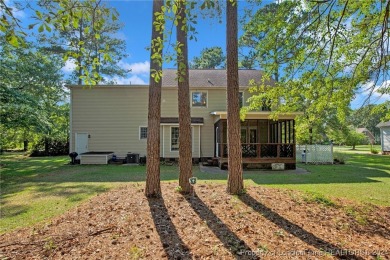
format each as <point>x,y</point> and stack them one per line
<point>138,68</point>
<point>369,94</point>
<point>303,6</point>
<point>133,80</point>
<point>370,88</point>
<point>69,67</point>
<point>19,14</point>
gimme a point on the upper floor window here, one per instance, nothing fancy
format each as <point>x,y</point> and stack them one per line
<point>143,132</point>
<point>199,99</point>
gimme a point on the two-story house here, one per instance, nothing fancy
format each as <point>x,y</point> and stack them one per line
<point>115,117</point>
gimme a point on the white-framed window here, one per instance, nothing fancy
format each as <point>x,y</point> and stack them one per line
<point>241,98</point>
<point>143,132</point>
<point>174,138</point>
<point>199,98</point>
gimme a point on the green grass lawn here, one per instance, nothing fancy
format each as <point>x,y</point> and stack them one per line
<point>36,189</point>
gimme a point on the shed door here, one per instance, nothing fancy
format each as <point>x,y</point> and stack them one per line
<point>81,143</point>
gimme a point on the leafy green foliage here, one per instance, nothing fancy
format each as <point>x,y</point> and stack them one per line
<point>272,49</point>
<point>31,91</point>
<point>79,31</point>
<point>340,158</point>
<point>353,138</point>
<point>10,26</point>
<point>370,116</point>
<point>157,45</point>
<point>374,151</point>
<point>347,135</point>
<point>83,32</point>
<point>313,197</point>
<point>50,146</point>
<point>194,9</point>
<point>210,58</point>
<point>321,54</point>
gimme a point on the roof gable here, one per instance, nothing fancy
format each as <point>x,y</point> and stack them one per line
<point>383,124</point>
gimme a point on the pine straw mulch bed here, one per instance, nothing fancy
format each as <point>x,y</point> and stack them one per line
<point>264,223</point>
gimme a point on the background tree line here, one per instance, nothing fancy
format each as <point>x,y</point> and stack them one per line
<point>321,53</point>
<point>35,102</point>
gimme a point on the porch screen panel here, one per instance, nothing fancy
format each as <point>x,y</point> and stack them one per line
<point>224,129</point>
<point>263,131</point>
<point>243,135</point>
<point>289,130</point>
<point>253,131</point>
<point>283,132</point>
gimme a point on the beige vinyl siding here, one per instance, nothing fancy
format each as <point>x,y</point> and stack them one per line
<point>112,115</point>
<point>216,101</point>
<point>385,136</point>
<point>166,142</point>
<point>161,141</point>
<point>196,141</point>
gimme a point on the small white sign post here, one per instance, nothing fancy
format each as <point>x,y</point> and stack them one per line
<point>192,181</point>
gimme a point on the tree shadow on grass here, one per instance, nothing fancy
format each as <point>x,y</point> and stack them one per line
<point>8,211</point>
<point>173,245</point>
<point>229,239</point>
<point>297,231</point>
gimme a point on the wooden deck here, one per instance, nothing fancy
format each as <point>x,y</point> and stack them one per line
<point>261,154</point>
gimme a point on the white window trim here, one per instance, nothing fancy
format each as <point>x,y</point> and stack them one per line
<point>192,139</point>
<point>170,139</point>
<point>207,98</point>
<point>199,143</point>
<point>139,132</point>
<point>163,141</point>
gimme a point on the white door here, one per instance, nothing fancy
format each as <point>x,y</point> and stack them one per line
<point>81,143</point>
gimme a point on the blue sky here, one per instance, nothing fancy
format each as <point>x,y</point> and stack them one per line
<point>136,15</point>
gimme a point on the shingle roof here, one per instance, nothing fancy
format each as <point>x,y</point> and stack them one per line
<point>175,120</point>
<point>383,124</point>
<point>362,129</point>
<point>211,77</point>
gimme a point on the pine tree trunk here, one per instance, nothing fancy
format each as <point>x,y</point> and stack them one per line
<point>185,140</point>
<point>235,179</point>
<point>25,145</point>
<point>153,188</point>
<point>46,146</point>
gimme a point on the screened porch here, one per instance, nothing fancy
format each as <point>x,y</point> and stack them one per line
<point>263,141</point>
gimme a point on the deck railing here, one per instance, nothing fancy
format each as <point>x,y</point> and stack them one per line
<point>260,150</point>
